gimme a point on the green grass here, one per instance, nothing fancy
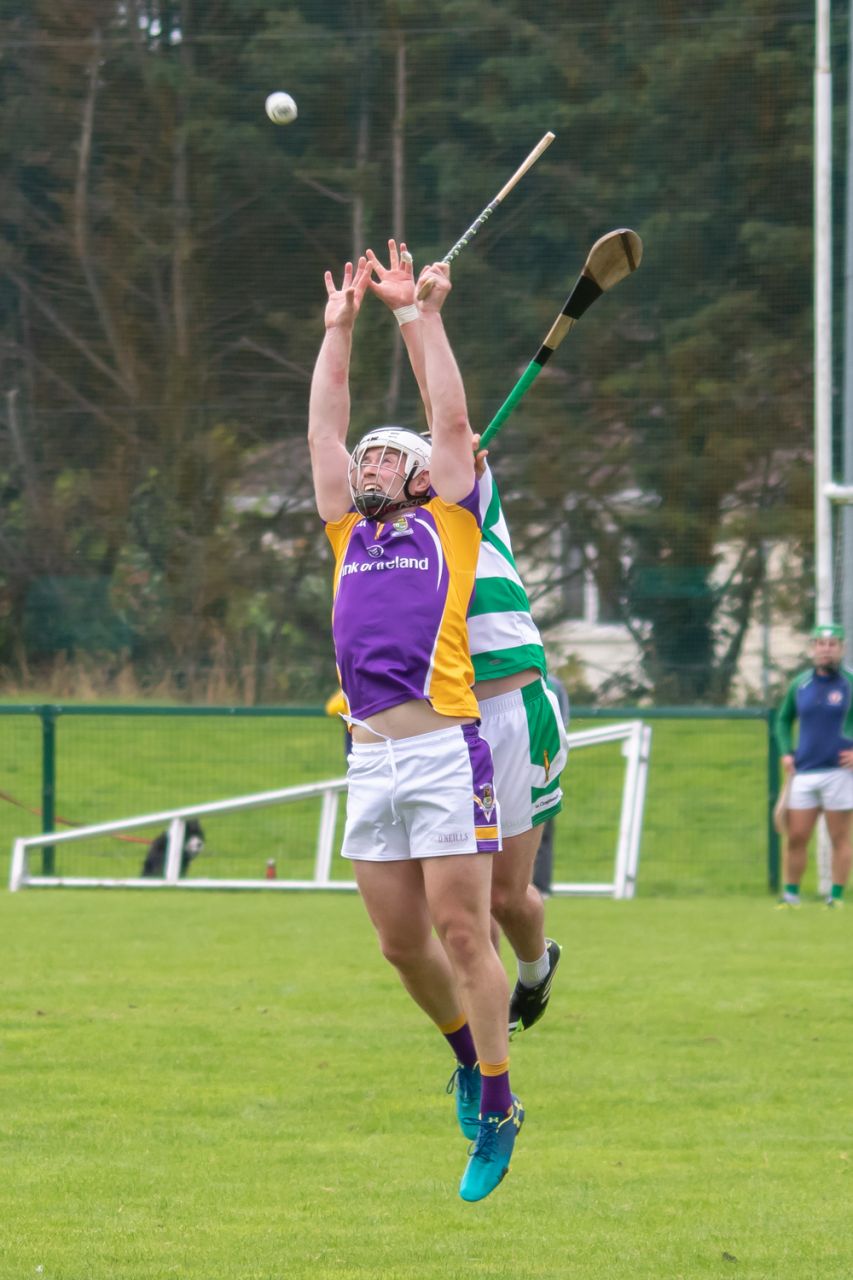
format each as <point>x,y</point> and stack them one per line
<point>221,1086</point>
<point>705,824</point>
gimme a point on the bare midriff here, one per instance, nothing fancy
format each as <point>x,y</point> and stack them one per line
<point>485,689</point>
<point>406,720</point>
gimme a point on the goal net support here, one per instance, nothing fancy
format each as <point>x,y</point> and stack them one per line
<point>633,736</point>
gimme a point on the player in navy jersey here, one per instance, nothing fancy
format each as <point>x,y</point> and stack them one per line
<point>422,816</point>
<point>821,767</point>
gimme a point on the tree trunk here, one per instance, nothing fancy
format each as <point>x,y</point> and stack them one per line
<point>80,229</point>
<point>398,206</point>
<point>181,246</point>
<point>362,155</point>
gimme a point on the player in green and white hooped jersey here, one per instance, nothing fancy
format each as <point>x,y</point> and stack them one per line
<point>520,717</point>
<point>522,722</point>
<point>821,767</point>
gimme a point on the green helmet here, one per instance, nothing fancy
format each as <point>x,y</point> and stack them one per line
<point>828,631</point>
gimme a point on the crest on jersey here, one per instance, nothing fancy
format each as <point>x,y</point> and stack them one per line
<point>834,696</point>
<point>486,799</point>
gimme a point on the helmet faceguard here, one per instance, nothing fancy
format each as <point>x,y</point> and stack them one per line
<point>368,497</point>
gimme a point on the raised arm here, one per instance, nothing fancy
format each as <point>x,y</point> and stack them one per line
<point>329,403</point>
<point>395,286</point>
<point>452,465</point>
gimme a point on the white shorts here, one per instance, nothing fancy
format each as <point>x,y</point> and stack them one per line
<point>422,797</point>
<point>525,730</point>
<point>827,789</point>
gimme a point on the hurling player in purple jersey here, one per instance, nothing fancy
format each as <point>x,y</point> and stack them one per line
<point>422,816</point>
<point>517,904</point>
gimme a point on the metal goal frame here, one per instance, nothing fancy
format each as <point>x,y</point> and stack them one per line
<point>634,735</point>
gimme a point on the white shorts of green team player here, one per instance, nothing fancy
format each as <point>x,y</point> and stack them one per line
<point>827,789</point>
<point>525,731</point>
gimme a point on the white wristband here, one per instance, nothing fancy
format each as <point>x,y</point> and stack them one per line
<point>404,314</point>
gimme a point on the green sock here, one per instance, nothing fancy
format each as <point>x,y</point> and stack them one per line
<point>792,891</point>
<point>837,892</point>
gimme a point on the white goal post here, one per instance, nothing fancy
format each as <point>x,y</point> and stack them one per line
<point>839,531</point>
<point>636,739</point>
<point>634,735</point>
<point>842,494</point>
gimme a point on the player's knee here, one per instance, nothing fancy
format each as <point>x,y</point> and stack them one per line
<point>501,900</point>
<point>508,898</point>
<point>461,939</point>
<point>400,951</point>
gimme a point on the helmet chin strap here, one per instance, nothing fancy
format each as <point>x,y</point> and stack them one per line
<point>381,504</point>
<point>385,506</point>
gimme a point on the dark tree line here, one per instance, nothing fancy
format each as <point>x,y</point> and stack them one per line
<point>161,298</point>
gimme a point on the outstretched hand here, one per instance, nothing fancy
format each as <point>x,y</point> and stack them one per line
<point>343,304</point>
<point>438,276</point>
<point>394,284</point>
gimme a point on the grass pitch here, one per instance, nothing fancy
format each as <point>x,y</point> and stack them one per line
<point>234,1086</point>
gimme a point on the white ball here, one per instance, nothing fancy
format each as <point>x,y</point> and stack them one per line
<point>281,108</point>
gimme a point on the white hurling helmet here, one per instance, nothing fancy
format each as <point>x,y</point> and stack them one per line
<point>415,452</point>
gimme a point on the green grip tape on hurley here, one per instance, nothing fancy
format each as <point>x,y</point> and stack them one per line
<point>529,375</point>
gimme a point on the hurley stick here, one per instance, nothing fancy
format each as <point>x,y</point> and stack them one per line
<point>542,145</point>
<point>610,260</point>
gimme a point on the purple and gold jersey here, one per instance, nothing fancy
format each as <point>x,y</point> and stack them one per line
<point>402,591</point>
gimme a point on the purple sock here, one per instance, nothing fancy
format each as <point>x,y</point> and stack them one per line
<point>495,1094</point>
<point>462,1044</point>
